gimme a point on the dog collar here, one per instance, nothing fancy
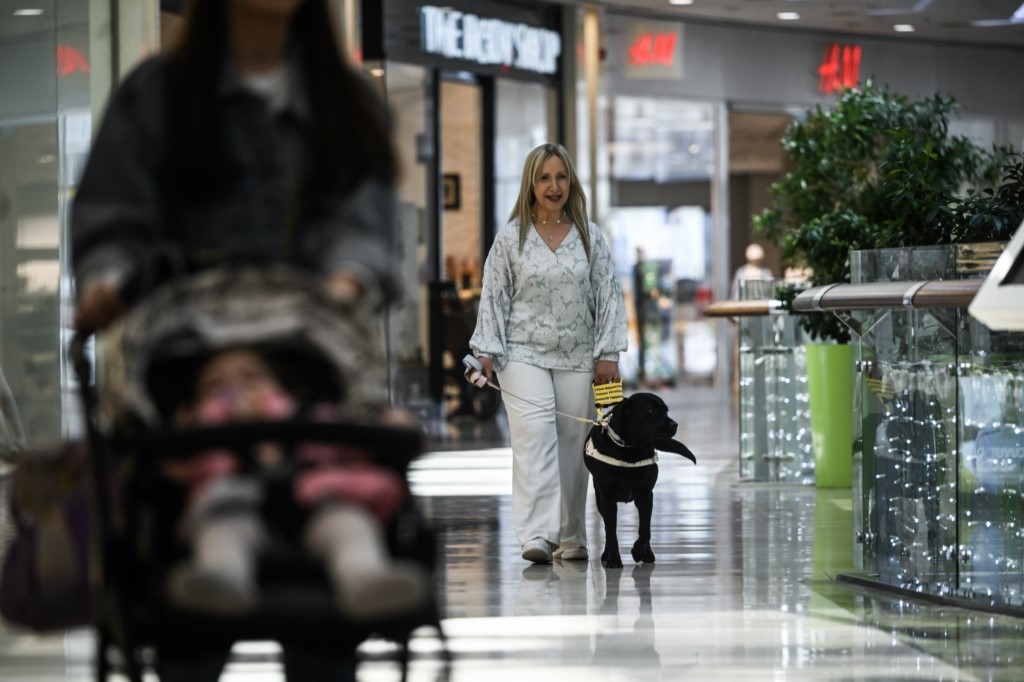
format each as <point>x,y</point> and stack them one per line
<point>614,437</point>
<point>591,451</point>
<point>603,418</point>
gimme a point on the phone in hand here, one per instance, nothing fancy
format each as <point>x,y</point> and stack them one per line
<point>474,371</point>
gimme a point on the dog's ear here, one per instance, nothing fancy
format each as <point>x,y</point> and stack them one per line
<point>671,445</point>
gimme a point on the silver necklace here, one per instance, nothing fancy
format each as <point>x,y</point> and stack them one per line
<point>561,219</point>
<point>551,234</point>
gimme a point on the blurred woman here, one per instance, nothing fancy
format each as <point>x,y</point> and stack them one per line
<point>250,141</point>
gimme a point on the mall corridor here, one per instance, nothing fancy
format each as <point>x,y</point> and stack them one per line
<point>744,587</point>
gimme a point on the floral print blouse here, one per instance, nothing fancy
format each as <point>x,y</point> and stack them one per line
<point>551,309</point>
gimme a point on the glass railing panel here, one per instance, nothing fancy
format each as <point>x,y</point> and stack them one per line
<point>989,513</point>
<point>913,456</point>
<point>940,415</point>
<point>905,413</point>
<point>903,265</point>
<point>775,440</point>
<point>991,519</point>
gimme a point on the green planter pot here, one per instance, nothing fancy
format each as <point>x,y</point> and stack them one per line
<point>830,384</point>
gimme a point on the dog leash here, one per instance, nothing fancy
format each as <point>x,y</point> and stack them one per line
<point>603,396</point>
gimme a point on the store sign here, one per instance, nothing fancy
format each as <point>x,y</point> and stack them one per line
<point>654,49</point>
<point>460,35</point>
<point>70,60</point>
<point>839,69</point>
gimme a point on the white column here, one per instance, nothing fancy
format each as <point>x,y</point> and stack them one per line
<point>720,276</point>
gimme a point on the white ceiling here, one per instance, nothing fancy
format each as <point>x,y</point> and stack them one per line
<point>933,20</point>
<point>56,15</point>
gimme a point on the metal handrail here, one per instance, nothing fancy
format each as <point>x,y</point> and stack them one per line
<point>751,308</point>
<point>867,296</point>
<point>875,295</point>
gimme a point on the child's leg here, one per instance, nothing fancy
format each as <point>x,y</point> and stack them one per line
<point>368,583</point>
<point>225,533</point>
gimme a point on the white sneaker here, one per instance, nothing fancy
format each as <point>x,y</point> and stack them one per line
<point>572,554</point>
<point>210,591</point>
<point>397,590</point>
<point>537,550</point>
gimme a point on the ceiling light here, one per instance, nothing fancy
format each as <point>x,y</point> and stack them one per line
<point>1017,18</point>
<point>788,16</point>
<point>377,72</point>
<point>919,6</point>
<point>27,12</point>
<point>680,2</point>
<point>903,28</point>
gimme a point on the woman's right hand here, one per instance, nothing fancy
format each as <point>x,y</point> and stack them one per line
<point>98,305</point>
<point>488,364</point>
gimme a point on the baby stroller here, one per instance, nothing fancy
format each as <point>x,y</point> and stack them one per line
<point>334,354</point>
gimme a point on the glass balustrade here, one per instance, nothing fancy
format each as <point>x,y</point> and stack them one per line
<point>939,437</point>
<point>774,413</point>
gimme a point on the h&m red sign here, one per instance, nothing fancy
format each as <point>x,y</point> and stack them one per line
<point>653,50</point>
<point>839,69</point>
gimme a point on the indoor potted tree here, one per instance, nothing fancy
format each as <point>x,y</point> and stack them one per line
<point>876,170</point>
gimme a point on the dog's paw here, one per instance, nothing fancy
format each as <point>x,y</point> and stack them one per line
<point>614,561</point>
<point>642,552</point>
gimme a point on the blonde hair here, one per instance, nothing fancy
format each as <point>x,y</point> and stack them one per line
<point>575,205</point>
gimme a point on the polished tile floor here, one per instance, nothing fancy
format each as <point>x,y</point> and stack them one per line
<point>743,589</point>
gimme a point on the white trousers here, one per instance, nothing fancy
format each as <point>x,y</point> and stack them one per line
<point>549,479</point>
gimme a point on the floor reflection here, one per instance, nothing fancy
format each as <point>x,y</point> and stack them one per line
<point>743,588</point>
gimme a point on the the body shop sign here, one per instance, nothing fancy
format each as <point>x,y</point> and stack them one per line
<point>460,35</point>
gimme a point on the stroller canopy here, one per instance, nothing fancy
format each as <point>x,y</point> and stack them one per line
<point>333,351</point>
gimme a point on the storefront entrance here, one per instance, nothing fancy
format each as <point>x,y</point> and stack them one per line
<point>466,189</point>
<point>472,88</point>
<point>462,138</point>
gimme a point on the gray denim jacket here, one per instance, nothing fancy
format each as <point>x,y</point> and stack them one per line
<point>127,219</point>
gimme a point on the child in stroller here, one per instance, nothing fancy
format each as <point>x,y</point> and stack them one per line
<point>245,412</point>
<point>348,496</point>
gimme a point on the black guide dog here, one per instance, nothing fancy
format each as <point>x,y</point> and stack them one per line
<point>622,460</point>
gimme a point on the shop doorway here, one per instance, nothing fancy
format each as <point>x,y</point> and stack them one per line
<point>487,126</point>
<point>466,188</point>
<point>756,160</point>
<point>462,139</point>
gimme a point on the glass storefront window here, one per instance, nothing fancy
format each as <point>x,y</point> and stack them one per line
<point>57,66</point>
<point>660,140</point>
<point>44,88</point>
<point>523,120</point>
<point>662,155</point>
<point>407,89</point>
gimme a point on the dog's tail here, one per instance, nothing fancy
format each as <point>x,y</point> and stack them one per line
<point>670,445</point>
